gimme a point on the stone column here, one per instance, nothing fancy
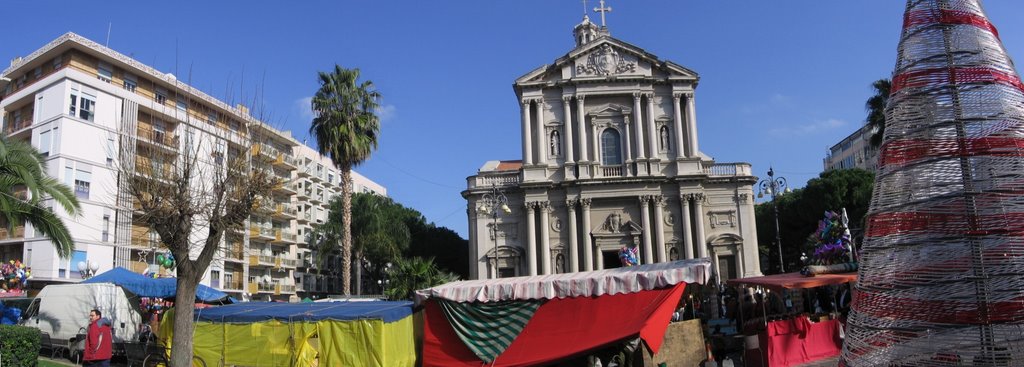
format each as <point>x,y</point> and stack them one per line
<point>677,115</point>
<point>542,154</point>
<point>645,215</point>
<point>684,229</point>
<point>543,208</point>
<point>584,163</point>
<point>588,246</point>
<point>698,206</point>
<point>638,117</point>
<point>527,134</point>
<point>567,122</point>
<point>652,133</point>
<point>691,124</point>
<point>531,239</point>
<point>474,243</point>
<point>659,228</point>
<point>597,147</point>
<point>573,253</point>
<point>628,157</point>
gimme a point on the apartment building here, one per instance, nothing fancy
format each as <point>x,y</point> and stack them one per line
<point>854,151</point>
<point>94,112</point>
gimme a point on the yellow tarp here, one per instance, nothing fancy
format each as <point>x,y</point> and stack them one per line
<point>371,343</point>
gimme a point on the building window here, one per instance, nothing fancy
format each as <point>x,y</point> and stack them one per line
<point>105,237</point>
<point>181,104</point>
<point>161,96</point>
<point>57,62</point>
<point>111,149</point>
<point>130,84</point>
<point>555,144</point>
<point>83,180</point>
<point>611,154</point>
<point>215,278</point>
<point>211,117</point>
<point>104,72</point>
<point>83,105</point>
<point>38,72</point>
<point>76,257</point>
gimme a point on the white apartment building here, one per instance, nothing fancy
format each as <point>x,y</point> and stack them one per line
<point>854,151</point>
<point>92,110</point>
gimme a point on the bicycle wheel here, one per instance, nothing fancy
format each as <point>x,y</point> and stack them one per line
<point>155,360</point>
<point>198,362</point>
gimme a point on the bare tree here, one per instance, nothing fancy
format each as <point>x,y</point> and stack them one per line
<point>191,200</point>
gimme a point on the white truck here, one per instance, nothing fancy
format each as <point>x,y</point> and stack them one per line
<point>62,311</point>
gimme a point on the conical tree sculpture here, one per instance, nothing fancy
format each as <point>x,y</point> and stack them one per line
<point>942,266</point>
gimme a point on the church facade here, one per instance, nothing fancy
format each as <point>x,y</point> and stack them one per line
<point>610,160</point>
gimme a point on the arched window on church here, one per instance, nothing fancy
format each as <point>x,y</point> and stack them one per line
<point>611,154</point>
<point>555,143</point>
<point>664,138</point>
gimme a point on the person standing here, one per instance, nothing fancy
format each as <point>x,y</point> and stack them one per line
<point>98,341</point>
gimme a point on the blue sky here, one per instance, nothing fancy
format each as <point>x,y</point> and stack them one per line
<point>781,81</point>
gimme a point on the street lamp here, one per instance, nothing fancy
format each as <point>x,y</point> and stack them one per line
<point>491,203</point>
<point>88,270</point>
<point>774,186</point>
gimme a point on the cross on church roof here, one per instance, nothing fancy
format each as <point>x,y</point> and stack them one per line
<point>602,9</point>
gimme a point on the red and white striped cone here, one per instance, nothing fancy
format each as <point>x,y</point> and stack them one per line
<point>942,266</point>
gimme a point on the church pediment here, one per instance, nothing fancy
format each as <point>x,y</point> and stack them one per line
<point>606,57</point>
<point>610,110</point>
<point>615,225</point>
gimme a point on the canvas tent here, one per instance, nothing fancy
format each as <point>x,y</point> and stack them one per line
<point>143,286</point>
<point>779,282</point>
<point>368,333</point>
<point>538,320</point>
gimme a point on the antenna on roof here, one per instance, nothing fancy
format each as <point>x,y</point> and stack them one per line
<point>109,25</point>
<point>584,7</point>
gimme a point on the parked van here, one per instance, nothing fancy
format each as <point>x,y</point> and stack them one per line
<point>62,310</point>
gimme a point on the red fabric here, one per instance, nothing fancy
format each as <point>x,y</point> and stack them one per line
<point>795,280</point>
<point>798,341</point>
<point>561,328</point>
<point>947,76</point>
<point>97,342</point>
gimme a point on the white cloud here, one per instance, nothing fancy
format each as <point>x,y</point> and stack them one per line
<point>305,108</point>
<point>811,128</point>
<point>386,113</point>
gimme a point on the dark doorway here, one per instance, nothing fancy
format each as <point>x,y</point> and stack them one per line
<point>611,259</point>
<point>727,265</point>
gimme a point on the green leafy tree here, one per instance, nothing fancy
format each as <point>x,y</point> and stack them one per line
<point>379,232</point>
<point>800,211</point>
<point>410,274</point>
<point>24,182</point>
<point>346,128</point>
<point>876,109</point>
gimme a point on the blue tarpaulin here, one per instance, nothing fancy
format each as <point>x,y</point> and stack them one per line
<point>388,311</point>
<point>156,288</point>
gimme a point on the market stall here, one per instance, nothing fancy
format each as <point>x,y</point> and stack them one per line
<point>163,288</point>
<point>540,320</point>
<point>357,333</point>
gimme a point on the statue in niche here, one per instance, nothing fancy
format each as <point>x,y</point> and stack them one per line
<point>559,264</point>
<point>664,138</point>
<point>556,143</point>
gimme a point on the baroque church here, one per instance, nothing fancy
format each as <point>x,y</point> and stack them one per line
<point>610,160</point>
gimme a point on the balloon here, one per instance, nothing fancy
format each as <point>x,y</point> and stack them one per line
<point>168,263</point>
<point>159,259</point>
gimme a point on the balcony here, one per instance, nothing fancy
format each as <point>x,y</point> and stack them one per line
<point>155,169</point>
<point>235,285</point>
<point>283,211</point>
<point>11,127</point>
<point>728,169</point>
<point>261,233</point>
<point>263,260</point>
<point>234,253</point>
<point>286,288</point>
<point>289,263</point>
<point>283,235</point>
<point>285,160</point>
<point>9,233</point>
<point>285,187</point>
<point>500,179</point>
<point>264,152</point>
<point>159,138</point>
<point>304,218</point>
<point>612,171</point>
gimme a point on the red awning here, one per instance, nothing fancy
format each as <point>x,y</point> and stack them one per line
<point>779,282</point>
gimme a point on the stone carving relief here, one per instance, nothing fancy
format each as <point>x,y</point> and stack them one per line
<point>606,61</point>
<point>556,225</point>
<point>505,230</point>
<point>613,223</point>
<point>722,218</point>
<point>670,219</point>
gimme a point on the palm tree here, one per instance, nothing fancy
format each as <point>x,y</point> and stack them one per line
<point>411,274</point>
<point>23,169</point>
<point>876,110</point>
<point>379,232</point>
<point>346,128</point>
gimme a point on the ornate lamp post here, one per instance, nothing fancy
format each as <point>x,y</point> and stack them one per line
<point>775,186</point>
<point>491,203</point>
<point>88,269</point>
